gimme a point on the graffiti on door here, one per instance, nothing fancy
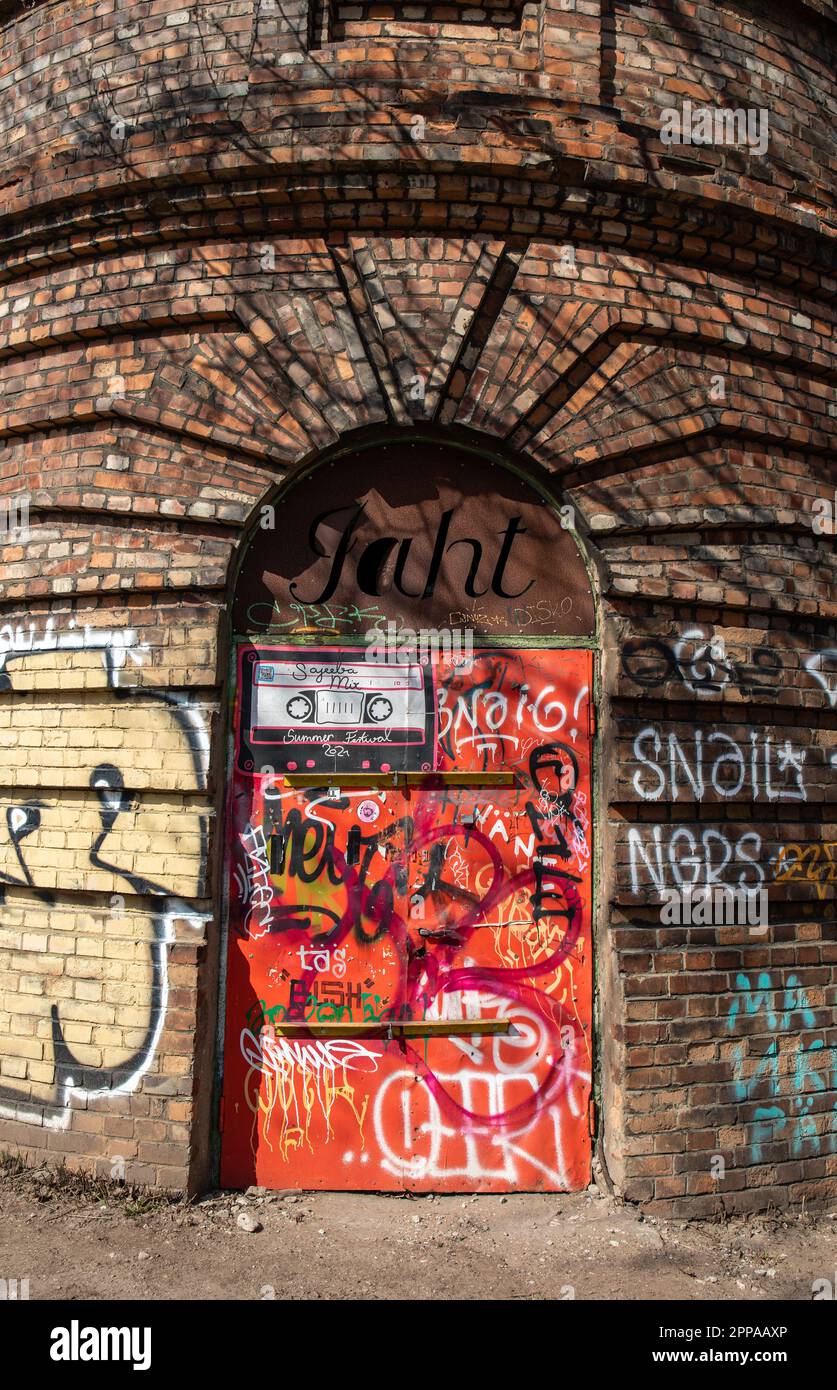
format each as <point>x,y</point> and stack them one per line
<point>410,854</point>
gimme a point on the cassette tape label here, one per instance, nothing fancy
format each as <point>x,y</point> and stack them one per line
<point>322,706</point>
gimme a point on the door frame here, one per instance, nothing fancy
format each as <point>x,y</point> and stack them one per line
<point>495,455</point>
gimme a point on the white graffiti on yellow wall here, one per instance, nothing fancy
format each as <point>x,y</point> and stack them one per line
<point>39,1081</point>
<point>660,854</point>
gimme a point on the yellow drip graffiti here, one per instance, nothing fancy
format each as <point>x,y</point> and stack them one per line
<point>280,1092</point>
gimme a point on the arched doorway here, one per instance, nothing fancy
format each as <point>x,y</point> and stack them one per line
<point>409,831</point>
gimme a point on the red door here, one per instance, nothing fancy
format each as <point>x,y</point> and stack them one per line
<point>409,984</point>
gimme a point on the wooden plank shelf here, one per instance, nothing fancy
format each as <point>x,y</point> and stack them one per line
<point>456,1028</point>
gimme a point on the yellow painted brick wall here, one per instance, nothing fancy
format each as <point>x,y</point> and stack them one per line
<point>107,811</point>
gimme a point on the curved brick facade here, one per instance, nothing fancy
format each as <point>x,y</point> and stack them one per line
<point>234,233</point>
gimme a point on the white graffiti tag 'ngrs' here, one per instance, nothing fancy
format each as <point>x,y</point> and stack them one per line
<point>686,858</point>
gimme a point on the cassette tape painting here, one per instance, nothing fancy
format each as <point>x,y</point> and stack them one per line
<point>326,709</point>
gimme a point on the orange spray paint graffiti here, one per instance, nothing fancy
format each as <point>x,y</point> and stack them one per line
<point>391,892</point>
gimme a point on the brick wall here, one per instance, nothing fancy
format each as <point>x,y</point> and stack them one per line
<point>233,233</point>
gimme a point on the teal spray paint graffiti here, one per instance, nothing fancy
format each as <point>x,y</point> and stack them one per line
<point>791,1114</point>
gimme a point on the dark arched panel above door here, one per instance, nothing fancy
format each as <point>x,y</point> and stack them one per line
<point>416,531</point>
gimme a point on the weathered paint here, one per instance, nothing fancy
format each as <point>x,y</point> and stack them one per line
<point>375,904</point>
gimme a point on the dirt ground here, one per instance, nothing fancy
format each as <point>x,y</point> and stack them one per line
<point>74,1239</point>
